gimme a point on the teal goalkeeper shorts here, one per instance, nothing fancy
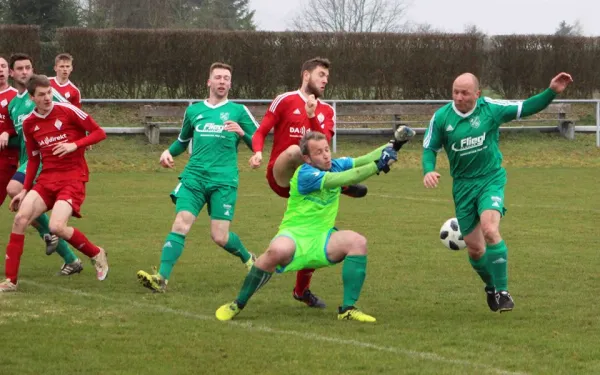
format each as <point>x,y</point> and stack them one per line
<point>192,198</point>
<point>472,196</point>
<point>311,250</point>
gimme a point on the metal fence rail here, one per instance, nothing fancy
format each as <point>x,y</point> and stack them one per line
<point>334,104</point>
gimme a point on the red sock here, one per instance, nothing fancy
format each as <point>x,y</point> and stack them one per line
<point>14,250</point>
<point>303,278</point>
<point>81,243</point>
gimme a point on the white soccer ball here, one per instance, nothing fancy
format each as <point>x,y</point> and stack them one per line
<point>450,235</point>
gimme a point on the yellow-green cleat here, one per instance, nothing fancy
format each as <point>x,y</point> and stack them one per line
<point>250,261</point>
<point>154,282</point>
<point>352,313</point>
<point>227,311</point>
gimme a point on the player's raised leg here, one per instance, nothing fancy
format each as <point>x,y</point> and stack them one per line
<point>230,242</point>
<point>280,252</point>
<point>221,208</point>
<point>497,257</point>
<point>61,212</point>
<point>350,247</point>
<point>29,207</point>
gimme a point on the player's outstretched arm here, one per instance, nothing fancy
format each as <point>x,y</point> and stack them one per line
<point>358,174</point>
<point>370,157</point>
<point>540,101</point>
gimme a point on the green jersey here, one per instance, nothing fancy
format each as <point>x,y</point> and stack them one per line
<point>471,139</point>
<point>18,110</point>
<point>214,150</point>
<point>311,208</point>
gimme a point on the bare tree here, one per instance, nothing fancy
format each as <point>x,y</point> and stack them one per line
<point>564,29</point>
<point>351,16</point>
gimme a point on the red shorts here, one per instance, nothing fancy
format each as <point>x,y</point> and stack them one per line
<point>73,192</point>
<point>283,192</point>
<point>9,161</point>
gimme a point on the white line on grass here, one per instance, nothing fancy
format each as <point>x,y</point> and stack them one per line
<point>425,356</point>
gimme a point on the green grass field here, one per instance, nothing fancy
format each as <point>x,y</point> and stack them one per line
<point>430,305</point>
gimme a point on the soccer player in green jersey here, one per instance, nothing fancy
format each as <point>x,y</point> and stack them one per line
<point>307,237</point>
<point>210,177</point>
<point>468,130</point>
<point>21,69</point>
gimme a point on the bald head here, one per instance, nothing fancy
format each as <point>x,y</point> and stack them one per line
<point>465,92</point>
<point>467,79</point>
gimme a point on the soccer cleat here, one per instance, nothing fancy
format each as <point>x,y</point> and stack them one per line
<point>69,269</point>
<point>154,282</point>
<point>352,313</point>
<point>250,261</point>
<point>309,299</point>
<point>492,298</point>
<point>100,261</point>
<point>402,135</point>
<point>7,286</point>
<point>505,301</point>
<point>355,191</point>
<point>228,311</point>
<point>51,243</point>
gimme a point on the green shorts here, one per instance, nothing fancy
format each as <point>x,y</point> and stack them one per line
<point>22,170</point>
<point>475,195</point>
<point>311,250</point>
<point>220,199</point>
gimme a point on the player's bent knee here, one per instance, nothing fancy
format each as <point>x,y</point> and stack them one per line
<point>21,221</point>
<point>293,153</point>
<point>13,188</point>
<point>359,245</point>
<point>220,237</point>
<point>491,232</point>
<point>58,228</point>
<point>183,223</point>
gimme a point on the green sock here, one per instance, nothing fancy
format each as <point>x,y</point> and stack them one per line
<point>498,264</point>
<point>482,268</point>
<point>42,224</point>
<point>171,251</point>
<point>235,247</point>
<point>354,272</point>
<point>255,279</point>
<point>65,252</point>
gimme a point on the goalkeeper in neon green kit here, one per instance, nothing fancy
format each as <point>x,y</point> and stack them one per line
<point>307,237</point>
<point>468,130</point>
<point>211,176</point>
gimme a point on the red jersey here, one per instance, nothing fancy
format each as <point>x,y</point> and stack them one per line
<point>6,124</point>
<point>287,114</point>
<point>63,124</point>
<point>69,91</point>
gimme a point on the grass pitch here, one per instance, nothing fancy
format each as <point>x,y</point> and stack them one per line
<point>430,305</point>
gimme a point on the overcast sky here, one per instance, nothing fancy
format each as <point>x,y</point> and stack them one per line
<point>493,17</point>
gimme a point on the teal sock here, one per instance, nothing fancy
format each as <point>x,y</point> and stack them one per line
<point>482,268</point>
<point>498,264</point>
<point>254,280</point>
<point>354,272</point>
<point>171,251</point>
<point>42,224</point>
<point>235,247</point>
<point>65,252</point>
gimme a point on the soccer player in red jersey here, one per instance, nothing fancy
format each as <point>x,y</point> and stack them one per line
<point>292,114</point>
<point>9,148</point>
<point>56,133</point>
<point>63,66</point>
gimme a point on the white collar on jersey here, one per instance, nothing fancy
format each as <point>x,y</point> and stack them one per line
<point>464,115</point>
<point>36,113</point>
<point>206,103</point>
<point>59,84</point>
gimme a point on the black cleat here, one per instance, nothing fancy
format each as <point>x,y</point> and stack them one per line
<point>492,298</point>
<point>355,191</point>
<point>505,301</point>
<point>309,299</point>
